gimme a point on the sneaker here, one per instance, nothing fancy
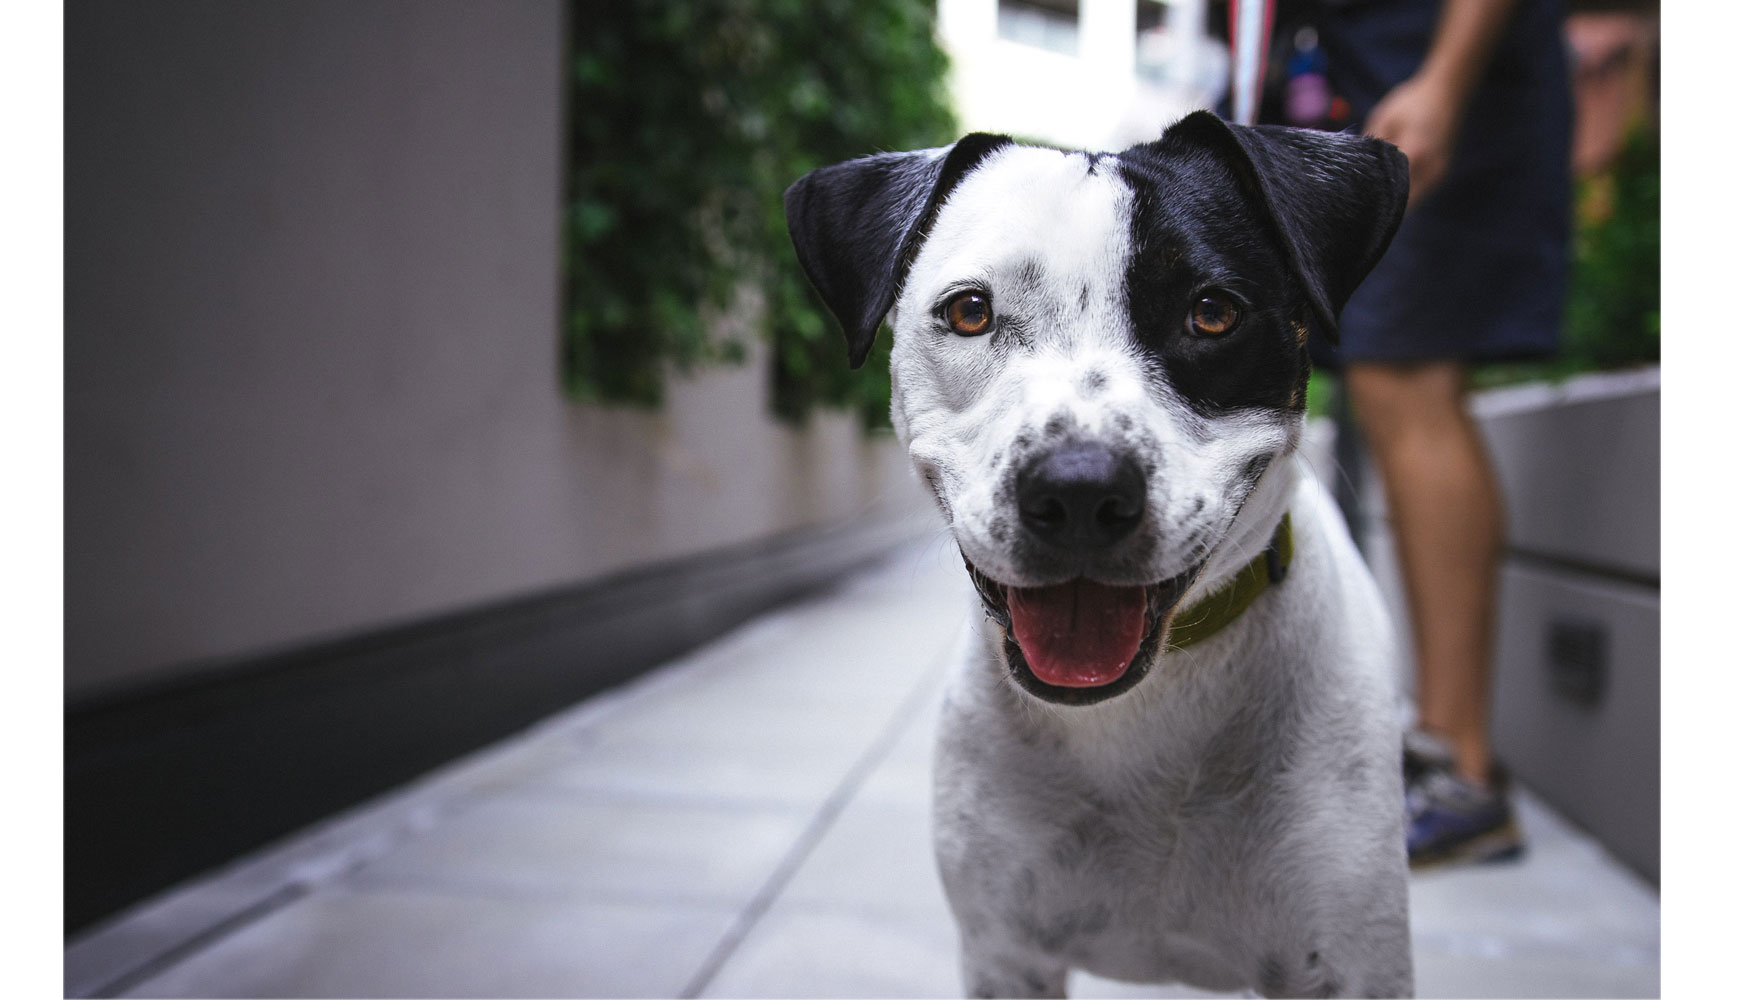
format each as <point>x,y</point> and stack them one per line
<point>1424,752</point>
<point>1449,820</point>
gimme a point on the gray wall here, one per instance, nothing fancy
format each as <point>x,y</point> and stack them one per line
<point>1579,466</point>
<point>312,342</point>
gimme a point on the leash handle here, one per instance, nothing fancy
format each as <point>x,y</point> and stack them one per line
<point>1248,32</point>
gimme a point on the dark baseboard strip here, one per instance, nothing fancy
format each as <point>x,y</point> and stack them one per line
<point>1548,561</point>
<point>167,781</point>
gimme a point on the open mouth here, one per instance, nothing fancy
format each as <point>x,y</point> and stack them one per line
<point>1079,642</point>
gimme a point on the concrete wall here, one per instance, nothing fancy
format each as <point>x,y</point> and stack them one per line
<point>312,342</point>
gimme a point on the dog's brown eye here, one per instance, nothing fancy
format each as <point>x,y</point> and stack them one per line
<point>1213,315</point>
<point>969,314</point>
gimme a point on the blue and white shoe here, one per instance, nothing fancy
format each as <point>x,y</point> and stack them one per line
<point>1449,820</point>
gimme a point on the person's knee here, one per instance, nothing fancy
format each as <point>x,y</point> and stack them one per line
<point>1394,402</point>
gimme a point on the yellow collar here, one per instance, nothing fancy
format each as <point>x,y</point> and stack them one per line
<point>1215,612</point>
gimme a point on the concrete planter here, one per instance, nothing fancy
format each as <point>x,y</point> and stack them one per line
<point>1576,687</point>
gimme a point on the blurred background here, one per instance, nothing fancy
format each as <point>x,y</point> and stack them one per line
<point>431,367</point>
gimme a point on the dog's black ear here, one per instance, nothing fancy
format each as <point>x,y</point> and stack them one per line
<point>1334,199</point>
<point>856,226</point>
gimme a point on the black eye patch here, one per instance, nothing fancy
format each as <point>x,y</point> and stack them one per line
<point>1209,303</point>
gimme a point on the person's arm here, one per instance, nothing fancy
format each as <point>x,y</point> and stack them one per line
<point>1421,116</point>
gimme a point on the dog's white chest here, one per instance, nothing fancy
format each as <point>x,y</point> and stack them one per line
<point>1126,875</point>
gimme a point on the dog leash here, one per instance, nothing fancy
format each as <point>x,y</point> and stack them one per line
<point>1218,610</point>
<point>1249,23</point>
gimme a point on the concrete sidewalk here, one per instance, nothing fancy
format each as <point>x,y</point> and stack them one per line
<point>749,821</point>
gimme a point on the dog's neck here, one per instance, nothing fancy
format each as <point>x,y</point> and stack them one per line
<point>1253,528</point>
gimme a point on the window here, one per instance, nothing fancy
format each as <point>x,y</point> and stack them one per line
<point>1046,24</point>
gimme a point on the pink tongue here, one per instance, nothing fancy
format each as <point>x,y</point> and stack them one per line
<point>1080,633</point>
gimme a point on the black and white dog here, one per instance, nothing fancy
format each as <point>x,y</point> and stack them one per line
<point>1173,755</point>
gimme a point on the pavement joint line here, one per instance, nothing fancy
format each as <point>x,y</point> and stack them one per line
<point>416,817</point>
<point>169,957</point>
<point>817,828</point>
<point>356,852</point>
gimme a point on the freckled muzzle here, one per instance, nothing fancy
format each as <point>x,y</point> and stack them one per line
<point>1080,642</point>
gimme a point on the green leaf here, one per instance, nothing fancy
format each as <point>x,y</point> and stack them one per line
<point>688,120</point>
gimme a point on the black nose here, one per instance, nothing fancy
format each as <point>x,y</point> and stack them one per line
<point>1081,495</point>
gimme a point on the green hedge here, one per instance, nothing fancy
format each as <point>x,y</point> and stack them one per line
<point>688,120</point>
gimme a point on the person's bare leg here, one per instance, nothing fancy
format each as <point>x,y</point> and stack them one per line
<point>1449,527</point>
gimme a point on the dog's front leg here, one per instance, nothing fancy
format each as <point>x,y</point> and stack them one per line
<point>993,972</point>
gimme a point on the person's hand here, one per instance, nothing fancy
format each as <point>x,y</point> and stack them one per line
<point>1419,116</point>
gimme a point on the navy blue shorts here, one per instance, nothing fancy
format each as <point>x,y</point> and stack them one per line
<point>1478,269</point>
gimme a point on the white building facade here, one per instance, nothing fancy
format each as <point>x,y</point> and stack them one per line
<point>1093,74</point>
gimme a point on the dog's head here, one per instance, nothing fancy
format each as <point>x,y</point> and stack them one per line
<point>1097,356</point>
